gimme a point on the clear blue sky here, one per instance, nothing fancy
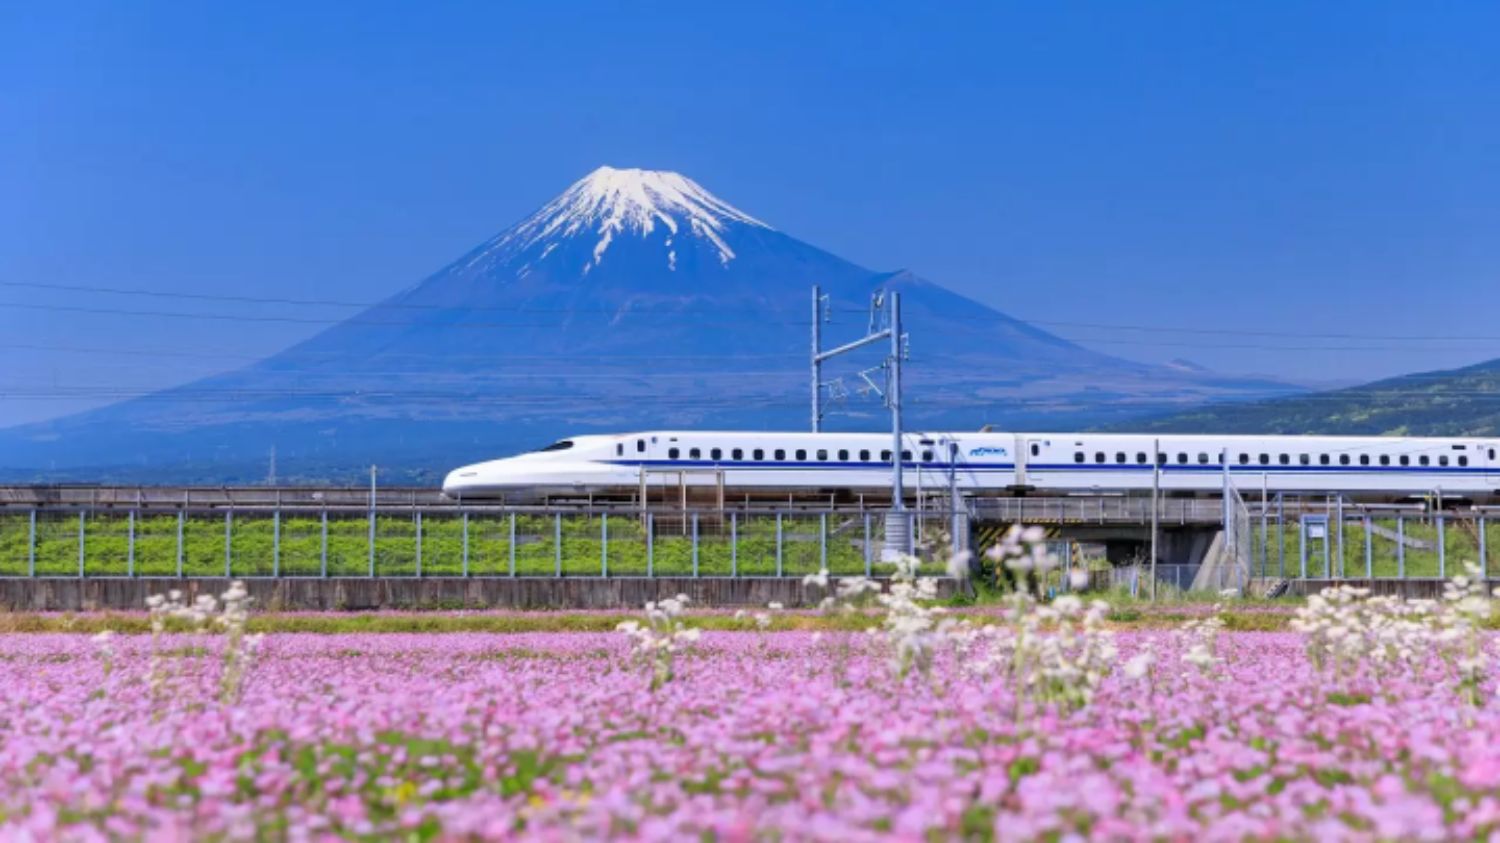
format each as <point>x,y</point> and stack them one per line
<point>1306,168</point>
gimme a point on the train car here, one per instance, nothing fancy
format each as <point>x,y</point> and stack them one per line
<point>989,463</point>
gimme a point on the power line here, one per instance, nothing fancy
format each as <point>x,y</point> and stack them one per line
<point>357,322</point>
<point>390,305</point>
<point>383,305</point>
<point>354,320</point>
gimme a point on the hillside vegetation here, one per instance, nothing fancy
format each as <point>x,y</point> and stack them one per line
<point>1455,402</point>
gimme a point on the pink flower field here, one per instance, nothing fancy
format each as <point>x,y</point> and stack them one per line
<point>755,735</point>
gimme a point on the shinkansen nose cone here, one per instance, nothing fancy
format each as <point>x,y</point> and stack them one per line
<point>465,481</point>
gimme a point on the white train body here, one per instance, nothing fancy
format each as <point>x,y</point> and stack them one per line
<point>989,464</point>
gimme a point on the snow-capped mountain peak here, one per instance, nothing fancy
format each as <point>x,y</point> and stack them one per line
<point>613,203</point>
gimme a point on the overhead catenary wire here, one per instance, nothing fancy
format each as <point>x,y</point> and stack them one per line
<point>694,311</point>
<point>697,322</point>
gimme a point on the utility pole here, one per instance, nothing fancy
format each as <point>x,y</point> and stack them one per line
<point>897,539</point>
<point>898,530</point>
<point>817,360</point>
<point>372,522</point>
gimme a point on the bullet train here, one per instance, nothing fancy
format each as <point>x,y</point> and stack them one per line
<point>988,463</point>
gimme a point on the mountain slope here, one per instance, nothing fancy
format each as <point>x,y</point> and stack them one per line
<point>635,299</point>
<point>1454,402</point>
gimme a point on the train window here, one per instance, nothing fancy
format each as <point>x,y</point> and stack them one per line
<point>1304,459</point>
<point>715,454</point>
<point>1385,459</point>
<point>1098,456</point>
<point>780,454</point>
<point>1364,459</point>
<point>1140,457</point>
<point>672,453</point>
<point>1284,459</point>
<point>1078,457</point>
<point>1161,458</point>
<point>1265,459</point>
<point>905,455</point>
<point>864,456</point>
<point>885,456</point>
<point>1492,453</point>
<point>1119,456</point>
<point>1202,458</point>
<point>559,446</point>
<point>1036,450</point>
<point>1343,459</point>
<point>1424,460</point>
<point>1181,458</point>
<point>736,454</point>
<point>1244,459</point>
<point>1323,459</point>
<point>694,453</point>
<point>822,453</point>
<point>843,455</point>
<point>619,449</point>
<point>801,454</point>
<point>640,446</point>
<point>1463,460</point>
<point>758,454</point>
<point>1405,460</point>
<point>927,456</point>
<point>1443,460</point>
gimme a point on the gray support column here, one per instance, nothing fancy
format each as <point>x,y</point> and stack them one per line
<point>130,545</point>
<point>1302,545</point>
<point>80,543</point>
<point>557,544</point>
<point>464,520</point>
<point>1265,537</point>
<point>1369,550</point>
<point>823,541</point>
<point>1339,507</point>
<point>31,545</point>
<point>370,541</point>
<point>869,555</point>
<point>181,523</point>
<point>695,544</point>
<point>1442,548</point>
<point>276,543</point>
<point>323,548</point>
<point>734,544</point>
<point>1328,571</point>
<point>419,544</point>
<point>1484,556</point>
<point>1281,534</point>
<point>1401,546</point>
<point>650,545</point>
<point>604,545</point>
<point>512,561</point>
<point>778,544</point>
<point>228,544</point>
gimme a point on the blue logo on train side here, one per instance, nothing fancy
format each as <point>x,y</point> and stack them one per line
<point>988,452</point>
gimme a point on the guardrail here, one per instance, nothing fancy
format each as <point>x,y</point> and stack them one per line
<point>81,541</point>
<point>340,532</point>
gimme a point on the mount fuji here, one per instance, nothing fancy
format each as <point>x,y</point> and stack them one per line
<point>634,300</point>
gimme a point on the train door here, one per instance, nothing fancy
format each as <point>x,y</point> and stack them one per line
<point>1028,459</point>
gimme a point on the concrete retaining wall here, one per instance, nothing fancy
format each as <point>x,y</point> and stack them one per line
<point>357,594</point>
<point>1410,588</point>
